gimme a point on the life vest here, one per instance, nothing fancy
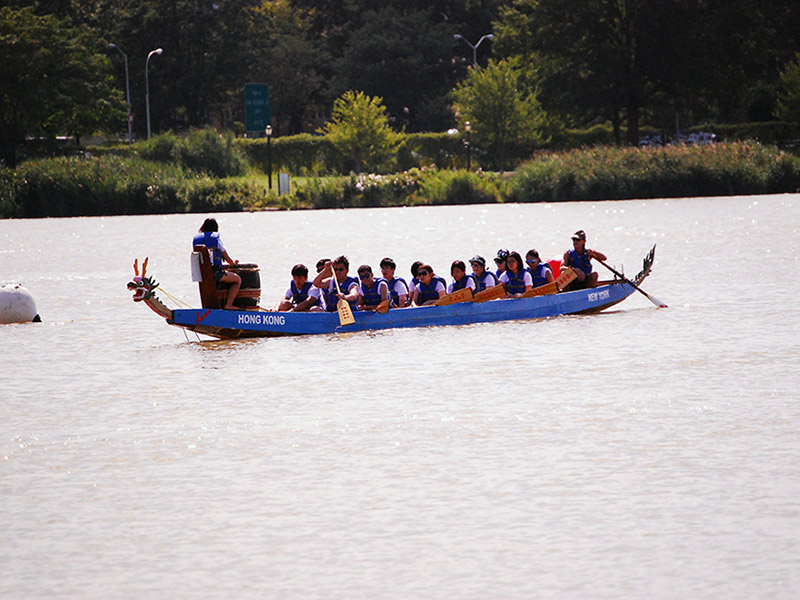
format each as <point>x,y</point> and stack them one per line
<point>393,294</point>
<point>428,292</point>
<point>462,283</point>
<point>582,262</point>
<point>516,283</point>
<point>539,276</point>
<point>331,299</point>
<point>209,239</point>
<point>372,296</point>
<point>301,295</point>
<point>481,283</point>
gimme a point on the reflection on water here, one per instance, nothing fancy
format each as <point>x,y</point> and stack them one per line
<point>634,453</point>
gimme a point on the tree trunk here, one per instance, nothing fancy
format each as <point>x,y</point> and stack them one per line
<point>633,120</point>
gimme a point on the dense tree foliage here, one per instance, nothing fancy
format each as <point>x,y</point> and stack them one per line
<point>359,129</point>
<point>53,80</point>
<point>624,62</point>
<point>507,116</point>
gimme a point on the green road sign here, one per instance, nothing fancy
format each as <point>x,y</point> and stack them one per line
<point>257,113</point>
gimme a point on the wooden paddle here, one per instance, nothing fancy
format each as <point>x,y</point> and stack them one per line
<point>463,295</point>
<point>655,301</point>
<point>491,293</point>
<point>384,307</point>
<point>542,290</point>
<point>343,307</point>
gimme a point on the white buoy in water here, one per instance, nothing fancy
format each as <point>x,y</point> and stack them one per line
<point>17,304</point>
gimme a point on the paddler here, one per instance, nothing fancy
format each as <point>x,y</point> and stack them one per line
<point>483,278</point>
<point>516,277</point>
<point>398,288</point>
<point>430,287</point>
<point>372,291</point>
<point>579,258</point>
<point>208,236</point>
<point>460,278</point>
<point>302,295</point>
<point>541,273</point>
<point>324,280</point>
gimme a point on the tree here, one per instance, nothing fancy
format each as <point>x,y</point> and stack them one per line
<point>789,98</point>
<point>359,129</point>
<point>53,79</point>
<point>506,117</point>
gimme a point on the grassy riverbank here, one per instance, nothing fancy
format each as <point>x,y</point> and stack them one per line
<point>111,185</point>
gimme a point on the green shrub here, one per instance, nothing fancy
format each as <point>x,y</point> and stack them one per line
<point>202,150</point>
<point>671,171</point>
<point>459,187</point>
<point>9,189</point>
<point>110,185</point>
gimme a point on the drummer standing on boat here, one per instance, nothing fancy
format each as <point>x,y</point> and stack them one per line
<point>208,236</point>
<point>579,258</point>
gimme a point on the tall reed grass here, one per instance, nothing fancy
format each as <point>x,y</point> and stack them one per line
<point>110,185</point>
<point>674,171</point>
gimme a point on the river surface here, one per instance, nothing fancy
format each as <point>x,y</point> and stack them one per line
<point>638,453</point>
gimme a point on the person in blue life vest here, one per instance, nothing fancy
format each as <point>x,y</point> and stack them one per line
<point>500,261</point>
<point>541,273</point>
<point>372,291</point>
<point>412,285</point>
<point>580,259</point>
<point>483,279</point>
<point>302,295</point>
<point>338,268</point>
<point>398,288</point>
<point>208,236</point>
<point>516,277</point>
<point>430,287</point>
<point>460,278</point>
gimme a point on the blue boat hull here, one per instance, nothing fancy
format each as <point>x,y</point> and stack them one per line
<point>239,324</point>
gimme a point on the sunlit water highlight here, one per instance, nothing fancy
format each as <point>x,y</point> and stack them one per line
<point>639,453</point>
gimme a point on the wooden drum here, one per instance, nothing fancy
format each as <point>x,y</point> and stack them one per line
<point>250,293</point>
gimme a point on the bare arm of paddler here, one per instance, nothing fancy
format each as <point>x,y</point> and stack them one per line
<point>323,278</point>
<point>596,254</point>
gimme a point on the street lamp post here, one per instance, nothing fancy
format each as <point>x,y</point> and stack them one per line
<point>488,36</point>
<point>147,86</point>
<point>468,129</point>
<point>127,91</point>
<point>268,132</point>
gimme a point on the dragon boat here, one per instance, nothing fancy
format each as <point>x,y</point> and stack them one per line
<point>460,308</point>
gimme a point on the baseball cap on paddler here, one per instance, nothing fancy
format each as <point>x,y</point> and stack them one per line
<point>478,259</point>
<point>579,235</point>
<point>502,254</point>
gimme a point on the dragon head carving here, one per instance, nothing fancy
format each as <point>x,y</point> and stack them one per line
<point>143,287</point>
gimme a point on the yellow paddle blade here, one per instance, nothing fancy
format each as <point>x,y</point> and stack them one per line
<point>492,293</point>
<point>345,313</point>
<point>567,276</point>
<point>464,295</point>
<point>384,306</point>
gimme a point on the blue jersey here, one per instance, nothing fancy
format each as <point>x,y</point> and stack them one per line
<point>462,283</point>
<point>539,275</point>
<point>580,262</point>
<point>301,294</point>
<point>487,280</point>
<point>516,283</point>
<point>372,295</point>
<point>210,239</point>
<point>428,292</point>
<point>395,295</point>
<point>331,299</point>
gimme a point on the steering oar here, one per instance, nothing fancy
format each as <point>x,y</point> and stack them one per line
<point>655,301</point>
